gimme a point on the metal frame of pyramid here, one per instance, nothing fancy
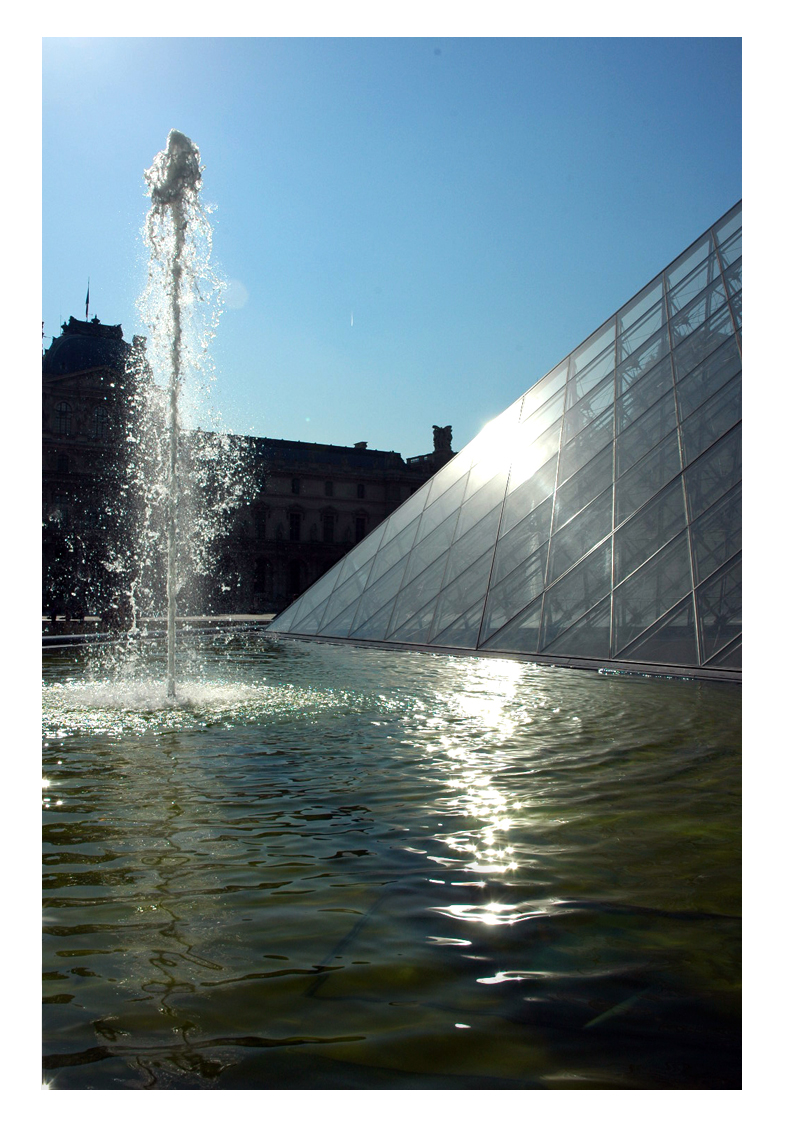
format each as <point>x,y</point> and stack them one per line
<point>597,521</point>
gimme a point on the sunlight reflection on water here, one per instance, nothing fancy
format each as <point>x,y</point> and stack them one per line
<point>323,861</point>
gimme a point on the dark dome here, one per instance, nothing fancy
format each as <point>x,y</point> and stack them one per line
<point>84,345</point>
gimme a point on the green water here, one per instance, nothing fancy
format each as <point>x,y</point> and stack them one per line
<point>329,867</point>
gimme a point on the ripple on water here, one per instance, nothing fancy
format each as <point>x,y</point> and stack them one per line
<point>468,870</point>
<point>137,707</point>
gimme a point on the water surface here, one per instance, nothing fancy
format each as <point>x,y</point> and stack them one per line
<point>334,867</point>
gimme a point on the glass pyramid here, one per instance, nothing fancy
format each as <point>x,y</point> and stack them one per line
<point>597,521</point>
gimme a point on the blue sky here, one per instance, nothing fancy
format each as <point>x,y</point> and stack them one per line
<point>414,230</point>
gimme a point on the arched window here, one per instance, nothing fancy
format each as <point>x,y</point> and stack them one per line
<point>100,424</point>
<point>63,416</point>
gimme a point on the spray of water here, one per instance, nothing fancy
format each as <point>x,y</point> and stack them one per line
<point>174,181</point>
<point>181,483</point>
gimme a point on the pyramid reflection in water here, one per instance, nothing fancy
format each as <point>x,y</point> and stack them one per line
<point>597,521</point>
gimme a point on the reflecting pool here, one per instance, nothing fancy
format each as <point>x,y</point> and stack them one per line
<point>333,867</point>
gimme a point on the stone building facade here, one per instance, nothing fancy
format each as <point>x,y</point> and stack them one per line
<point>309,503</point>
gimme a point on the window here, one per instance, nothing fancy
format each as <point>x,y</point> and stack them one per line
<point>296,485</point>
<point>328,488</point>
<point>329,527</point>
<point>359,527</point>
<point>63,416</point>
<point>63,464</point>
<point>295,578</point>
<point>100,424</point>
<point>360,491</point>
<point>294,526</point>
<point>261,525</point>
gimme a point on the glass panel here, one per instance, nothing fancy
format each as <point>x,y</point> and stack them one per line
<point>493,448</point>
<point>486,498</point>
<point>698,311</point>
<point>576,593</point>
<point>522,634</point>
<point>396,549</point>
<point>375,629</point>
<point>471,546</point>
<point>588,408</point>
<point>448,503</point>
<point>379,594</point>
<point>529,459</point>
<point>597,342</point>
<point>654,588</point>
<point>716,536</point>
<point>730,251</point>
<point>643,394</point>
<point>487,469</point>
<point>465,591</point>
<point>719,609</point>
<point>583,487</point>
<point>649,529</point>
<point>358,556</point>
<point>449,474</point>
<point>733,277</point>
<point>285,620</point>
<point>654,351</point>
<point>520,501</point>
<point>589,637</point>
<point>646,433</point>
<point>522,540</point>
<point>702,342</point>
<point>591,375</point>
<point>462,634</point>
<point>316,595</point>
<point>416,628</point>
<point>695,282</point>
<point>537,423</point>
<point>517,590</point>
<point>311,623</point>
<point>728,224</point>
<point>341,625</point>
<point>418,593</point>
<point>647,477</point>
<point>544,389</point>
<point>348,592</point>
<point>408,512</point>
<point>713,474</point>
<point>729,658</point>
<point>735,305</point>
<point>715,417</point>
<point>708,377</point>
<point>637,336</point>
<point>436,544</point>
<point>640,304</point>
<point>672,641</point>
<point>581,534</point>
<point>687,262</point>
<point>585,445</point>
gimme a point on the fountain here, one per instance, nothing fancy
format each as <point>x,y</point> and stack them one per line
<point>181,483</point>
<point>318,866</point>
<point>174,180</point>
